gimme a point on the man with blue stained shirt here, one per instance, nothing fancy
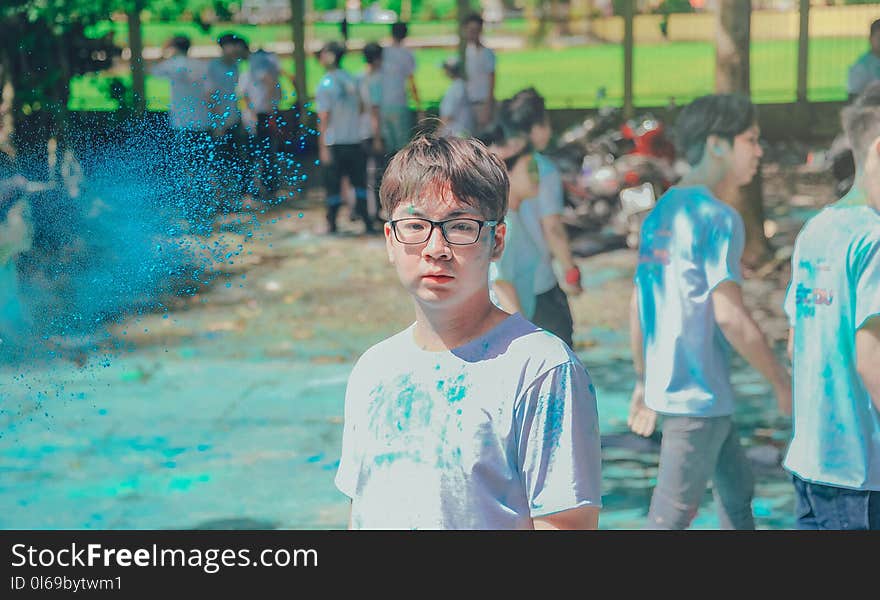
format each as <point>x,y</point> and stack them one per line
<point>339,106</point>
<point>833,306</point>
<point>525,115</point>
<point>866,69</point>
<point>471,418</point>
<point>687,309</point>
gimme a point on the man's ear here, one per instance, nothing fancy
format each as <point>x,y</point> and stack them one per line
<point>389,243</point>
<point>498,241</point>
<point>716,146</point>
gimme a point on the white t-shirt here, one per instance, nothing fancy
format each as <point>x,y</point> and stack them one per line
<point>338,95</point>
<point>398,63</point>
<point>691,242</point>
<point>479,64</point>
<point>223,93</point>
<point>188,107</point>
<point>455,110</point>
<point>485,436</point>
<point>260,82</point>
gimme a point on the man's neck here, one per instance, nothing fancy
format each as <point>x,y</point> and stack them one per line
<point>446,328</point>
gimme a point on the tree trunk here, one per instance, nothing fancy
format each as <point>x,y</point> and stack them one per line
<point>297,21</point>
<point>732,76</point>
<point>136,45</point>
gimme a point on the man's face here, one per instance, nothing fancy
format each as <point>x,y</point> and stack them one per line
<point>327,59</point>
<point>472,31</point>
<point>435,272</point>
<point>875,43</point>
<point>743,156</point>
<point>540,134</point>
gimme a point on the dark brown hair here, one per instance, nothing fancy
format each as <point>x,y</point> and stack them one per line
<point>466,167</point>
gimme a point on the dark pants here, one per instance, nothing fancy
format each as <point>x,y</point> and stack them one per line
<point>821,506</point>
<point>264,152</point>
<point>347,160</point>
<point>553,314</point>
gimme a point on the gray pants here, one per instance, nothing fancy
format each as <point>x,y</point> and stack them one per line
<point>693,451</point>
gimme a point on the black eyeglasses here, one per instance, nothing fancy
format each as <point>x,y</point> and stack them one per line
<point>458,232</point>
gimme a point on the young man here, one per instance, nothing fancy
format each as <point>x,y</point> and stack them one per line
<point>370,90</point>
<point>480,71</point>
<point>187,109</point>
<point>398,76</point>
<point>833,305</point>
<point>261,92</point>
<point>867,68</point>
<point>525,114</point>
<point>470,418</point>
<point>339,140</point>
<point>686,310</point>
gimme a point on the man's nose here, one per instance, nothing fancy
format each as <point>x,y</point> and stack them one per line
<point>436,244</point>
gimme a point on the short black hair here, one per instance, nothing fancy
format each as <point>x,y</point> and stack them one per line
<point>372,52</point>
<point>399,30</point>
<point>181,42</point>
<point>336,48</point>
<point>231,38</point>
<point>723,115</point>
<point>861,121</point>
<point>524,110</point>
<point>473,17</point>
<point>875,26</point>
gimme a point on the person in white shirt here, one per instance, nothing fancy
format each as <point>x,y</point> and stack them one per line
<point>480,71</point>
<point>456,116</point>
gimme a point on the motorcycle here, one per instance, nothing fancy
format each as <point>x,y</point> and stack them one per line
<point>613,170</point>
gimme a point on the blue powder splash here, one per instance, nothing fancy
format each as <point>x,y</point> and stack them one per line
<point>141,217</point>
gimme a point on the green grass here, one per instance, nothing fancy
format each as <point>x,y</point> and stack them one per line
<point>155,34</point>
<point>571,78</point>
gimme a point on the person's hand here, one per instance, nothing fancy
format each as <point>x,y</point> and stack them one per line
<point>378,148</point>
<point>324,155</point>
<point>642,420</point>
<point>572,285</point>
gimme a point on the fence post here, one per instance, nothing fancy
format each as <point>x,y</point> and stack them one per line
<point>803,51</point>
<point>628,43</point>
<point>136,45</point>
<point>297,21</point>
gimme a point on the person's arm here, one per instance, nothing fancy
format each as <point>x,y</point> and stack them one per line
<point>583,517</point>
<point>744,335</point>
<point>789,346</point>
<point>868,358</point>
<point>641,419</point>
<point>557,241</point>
<point>323,150</point>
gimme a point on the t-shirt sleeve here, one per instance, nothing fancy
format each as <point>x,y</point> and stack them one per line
<point>490,61</point>
<point>164,69</point>
<point>558,441</point>
<point>551,200</point>
<point>349,463</point>
<point>857,79</point>
<point>324,96</point>
<point>868,287</point>
<point>723,250</point>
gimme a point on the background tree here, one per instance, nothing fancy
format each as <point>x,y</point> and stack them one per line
<point>732,75</point>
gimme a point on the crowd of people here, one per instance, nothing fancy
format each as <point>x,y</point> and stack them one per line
<point>480,416</point>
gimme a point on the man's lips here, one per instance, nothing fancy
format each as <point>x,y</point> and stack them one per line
<point>437,277</point>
